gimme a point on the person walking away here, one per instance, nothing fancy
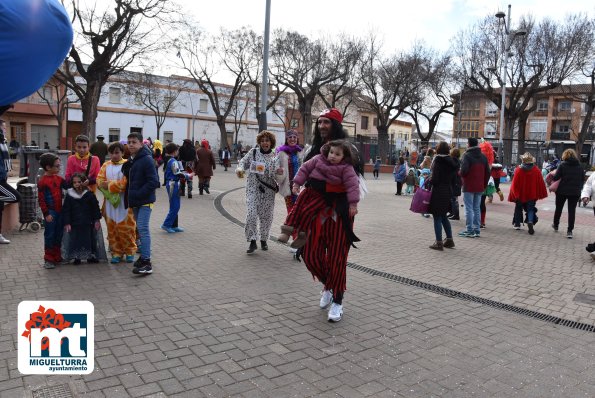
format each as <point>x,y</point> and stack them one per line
<point>226,156</point>
<point>475,173</point>
<point>328,174</point>
<point>81,217</point>
<point>526,189</point>
<point>83,162</point>
<point>443,172</point>
<point>457,184</point>
<point>400,174</point>
<point>121,227</point>
<point>187,155</point>
<point>173,173</point>
<point>261,187</point>
<point>377,164</point>
<point>7,193</point>
<point>99,149</point>
<point>488,151</point>
<point>205,166</point>
<point>571,176</point>
<point>140,196</point>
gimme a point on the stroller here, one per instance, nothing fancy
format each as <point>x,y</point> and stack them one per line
<point>30,215</point>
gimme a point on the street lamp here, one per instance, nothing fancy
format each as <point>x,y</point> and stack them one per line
<point>510,36</point>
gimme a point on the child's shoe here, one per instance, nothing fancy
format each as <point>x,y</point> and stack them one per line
<point>116,260</point>
<point>168,229</point>
<point>286,231</point>
<point>145,268</point>
<point>178,229</point>
<point>49,265</point>
<point>129,258</point>
<point>300,241</point>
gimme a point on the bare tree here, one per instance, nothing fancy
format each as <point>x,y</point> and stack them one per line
<point>547,55</point>
<point>435,93</point>
<point>390,85</point>
<point>157,93</point>
<point>57,98</point>
<point>109,42</point>
<point>204,57</point>
<point>304,66</point>
<point>239,108</point>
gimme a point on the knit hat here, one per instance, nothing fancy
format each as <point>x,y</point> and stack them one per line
<point>333,114</point>
<point>527,158</point>
<point>291,133</point>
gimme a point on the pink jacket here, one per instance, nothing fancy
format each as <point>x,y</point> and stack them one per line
<point>77,165</point>
<point>319,168</point>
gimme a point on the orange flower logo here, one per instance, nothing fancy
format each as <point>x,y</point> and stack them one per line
<point>43,319</point>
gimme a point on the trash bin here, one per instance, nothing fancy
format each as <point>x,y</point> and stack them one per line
<point>29,161</point>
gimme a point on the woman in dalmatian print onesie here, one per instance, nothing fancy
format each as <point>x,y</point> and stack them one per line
<point>261,164</point>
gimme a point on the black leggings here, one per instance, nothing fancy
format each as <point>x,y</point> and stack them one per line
<point>572,201</point>
<point>7,195</point>
<point>375,173</point>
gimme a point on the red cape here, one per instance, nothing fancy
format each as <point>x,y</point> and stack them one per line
<point>527,185</point>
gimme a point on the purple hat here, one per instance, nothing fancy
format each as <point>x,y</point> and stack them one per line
<point>290,133</point>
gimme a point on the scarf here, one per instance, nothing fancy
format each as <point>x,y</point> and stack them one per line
<point>289,149</point>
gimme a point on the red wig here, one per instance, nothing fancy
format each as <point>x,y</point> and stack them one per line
<point>488,150</point>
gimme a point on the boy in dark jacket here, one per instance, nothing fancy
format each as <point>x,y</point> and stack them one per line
<point>140,195</point>
<point>476,174</point>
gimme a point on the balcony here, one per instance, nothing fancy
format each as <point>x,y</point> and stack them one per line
<point>558,135</point>
<point>537,136</point>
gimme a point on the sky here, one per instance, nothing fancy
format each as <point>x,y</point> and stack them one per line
<point>397,23</point>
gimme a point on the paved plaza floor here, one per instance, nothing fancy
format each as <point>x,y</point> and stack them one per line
<point>213,321</point>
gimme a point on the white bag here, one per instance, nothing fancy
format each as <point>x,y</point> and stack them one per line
<point>363,189</point>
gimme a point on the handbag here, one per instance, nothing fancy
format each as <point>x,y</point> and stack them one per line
<point>421,200</point>
<point>554,186</point>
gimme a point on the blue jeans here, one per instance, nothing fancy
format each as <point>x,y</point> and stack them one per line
<point>518,212</point>
<point>142,215</point>
<point>173,189</point>
<point>472,201</point>
<point>439,222</point>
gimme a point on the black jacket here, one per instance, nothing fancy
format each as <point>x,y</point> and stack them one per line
<point>571,176</point>
<point>80,211</point>
<point>444,171</point>
<point>142,179</point>
<point>187,152</point>
<point>457,182</point>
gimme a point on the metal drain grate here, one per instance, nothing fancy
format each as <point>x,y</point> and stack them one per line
<point>61,391</point>
<point>444,291</point>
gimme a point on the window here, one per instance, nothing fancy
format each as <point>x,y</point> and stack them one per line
<point>470,107</point>
<point>542,106</point>
<point>294,123</point>
<point>114,135</point>
<point>364,122</point>
<point>538,126</point>
<point>564,106</point>
<point>203,105</point>
<point>470,128</point>
<point>114,95</point>
<point>138,99</point>
<point>168,136</point>
<point>136,130</point>
<point>490,129</point>
<point>45,92</point>
<point>375,121</point>
<point>491,109</point>
<point>563,127</point>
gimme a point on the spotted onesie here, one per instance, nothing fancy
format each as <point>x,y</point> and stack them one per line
<point>260,200</point>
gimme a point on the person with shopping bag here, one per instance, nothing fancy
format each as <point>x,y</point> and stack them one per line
<point>571,176</point>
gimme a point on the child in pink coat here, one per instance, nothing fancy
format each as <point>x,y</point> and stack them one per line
<point>329,173</point>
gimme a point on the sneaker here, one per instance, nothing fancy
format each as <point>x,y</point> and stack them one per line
<point>454,218</point>
<point>569,234</point>
<point>517,226</point>
<point>530,226</point>
<point>77,261</point>
<point>555,227</point>
<point>326,297</point>
<point>178,229</point>
<point>146,268</point>
<point>49,265</point>
<point>168,229</point>
<point>3,240</point>
<point>129,258</point>
<point>467,234</point>
<point>476,234</point>
<point>189,195</point>
<point>482,226</point>
<point>252,247</point>
<point>426,215</point>
<point>335,313</point>
<point>116,260</point>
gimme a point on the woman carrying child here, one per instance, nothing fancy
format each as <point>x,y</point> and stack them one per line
<point>81,218</point>
<point>121,227</point>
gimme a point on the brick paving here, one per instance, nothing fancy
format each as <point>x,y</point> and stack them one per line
<point>212,321</point>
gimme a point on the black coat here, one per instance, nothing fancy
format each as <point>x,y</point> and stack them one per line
<point>83,211</point>
<point>457,182</point>
<point>444,172</point>
<point>571,176</point>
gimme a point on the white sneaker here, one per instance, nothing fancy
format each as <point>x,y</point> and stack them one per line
<point>335,313</point>
<point>326,298</point>
<point>3,240</point>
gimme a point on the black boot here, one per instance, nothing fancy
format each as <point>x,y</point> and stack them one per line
<point>200,188</point>
<point>263,245</point>
<point>252,247</point>
<point>206,187</point>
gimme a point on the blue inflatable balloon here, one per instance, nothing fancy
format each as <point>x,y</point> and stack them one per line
<point>35,37</point>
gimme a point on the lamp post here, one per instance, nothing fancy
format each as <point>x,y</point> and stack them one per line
<point>510,36</point>
<point>262,120</point>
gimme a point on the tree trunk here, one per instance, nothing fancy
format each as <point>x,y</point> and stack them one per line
<point>159,129</point>
<point>582,136</point>
<point>222,132</point>
<point>383,143</point>
<point>307,121</point>
<point>89,109</point>
<point>507,155</point>
<point>522,131</point>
